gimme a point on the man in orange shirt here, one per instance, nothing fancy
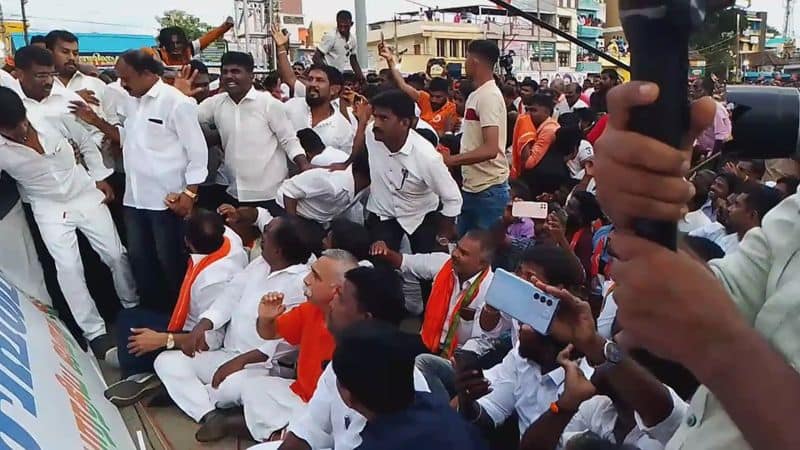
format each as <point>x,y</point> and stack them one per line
<point>534,133</point>
<point>270,401</point>
<point>435,105</point>
<point>174,49</point>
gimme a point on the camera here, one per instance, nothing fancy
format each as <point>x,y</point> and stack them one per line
<point>507,62</point>
<point>766,122</point>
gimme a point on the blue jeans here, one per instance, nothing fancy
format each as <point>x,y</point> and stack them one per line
<point>484,209</point>
<point>439,374</point>
<point>157,254</point>
<point>137,318</point>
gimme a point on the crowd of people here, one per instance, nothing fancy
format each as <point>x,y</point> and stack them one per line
<point>304,261</point>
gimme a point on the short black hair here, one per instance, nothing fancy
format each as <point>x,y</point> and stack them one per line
<point>12,110</point>
<point>335,77</point>
<point>733,182</point>
<point>466,88</point>
<point>705,248</point>
<point>38,39</point>
<point>291,237</point>
<point>586,114</point>
<point>199,66</point>
<point>569,119</point>
<point>508,91</point>
<point>762,199</point>
<point>344,15</point>
<point>439,84</point>
<point>542,100</point>
<point>384,383</point>
<point>791,183</point>
<point>58,35</point>
<point>531,83</point>
<point>589,207</point>
<point>520,189</point>
<point>379,292</point>
<point>486,49</point>
<point>612,73</point>
<point>577,86</point>
<point>29,55</point>
<point>166,33</point>
<point>270,81</point>
<point>560,267</point>
<point>238,59</point>
<point>567,140</point>
<point>487,241</point>
<point>350,236</point>
<point>759,167</point>
<point>205,230</point>
<point>142,61</point>
<point>396,101</point>
<point>707,84</point>
<point>310,141</point>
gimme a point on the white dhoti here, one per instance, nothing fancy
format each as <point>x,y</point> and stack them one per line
<point>269,405</point>
<point>19,263</point>
<point>62,242</point>
<point>188,380</point>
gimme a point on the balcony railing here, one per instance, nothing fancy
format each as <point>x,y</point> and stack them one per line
<point>589,5</point>
<point>586,32</point>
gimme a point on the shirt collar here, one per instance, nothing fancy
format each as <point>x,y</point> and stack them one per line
<point>408,146</point>
<point>76,75</point>
<point>251,94</point>
<point>155,90</point>
<point>291,270</point>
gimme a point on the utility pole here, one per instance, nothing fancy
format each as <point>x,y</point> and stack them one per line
<point>361,33</point>
<point>539,37</point>
<point>788,20</point>
<point>24,20</point>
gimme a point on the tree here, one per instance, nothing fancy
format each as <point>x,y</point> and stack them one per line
<point>191,25</point>
<point>716,40</point>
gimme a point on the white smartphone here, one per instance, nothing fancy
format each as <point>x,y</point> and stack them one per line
<point>522,301</point>
<point>533,210</point>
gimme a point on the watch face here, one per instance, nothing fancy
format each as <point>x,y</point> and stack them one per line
<point>613,353</point>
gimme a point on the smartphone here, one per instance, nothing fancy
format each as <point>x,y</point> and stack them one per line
<point>533,210</point>
<point>466,360</point>
<point>522,301</point>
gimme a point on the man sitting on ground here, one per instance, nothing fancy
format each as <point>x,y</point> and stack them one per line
<point>206,375</point>
<point>269,402</point>
<point>216,257</point>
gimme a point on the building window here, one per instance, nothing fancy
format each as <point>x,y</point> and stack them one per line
<point>417,49</point>
<point>547,53</point>
<point>565,24</point>
<point>453,48</point>
<point>563,59</point>
<point>464,45</point>
<point>440,48</point>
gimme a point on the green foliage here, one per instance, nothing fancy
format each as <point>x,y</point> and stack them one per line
<point>716,40</point>
<point>190,24</point>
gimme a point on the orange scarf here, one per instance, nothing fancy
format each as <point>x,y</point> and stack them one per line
<point>181,311</point>
<point>524,133</point>
<point>437,310</point>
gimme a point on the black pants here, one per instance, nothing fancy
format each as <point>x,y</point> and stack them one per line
<point>423,239</point>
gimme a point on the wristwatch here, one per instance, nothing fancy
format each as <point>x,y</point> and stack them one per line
<point>612,353</point>
<point>170,341</point>
<point>190,194</point>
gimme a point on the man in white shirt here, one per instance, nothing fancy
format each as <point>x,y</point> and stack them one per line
<point>165,157</point>
<point>460,282</point>
<point>206,375</point>
<point>337,49</point>
<point>6,80</point>
<point>571,101</point>
<point>39,151</point>
<point>256,134</point>
<point>216,257</point>
<point>745,212</point>
<point>316,111</point>
<point>409,178</point>
<point>317,152</point>
<point>367,294</point>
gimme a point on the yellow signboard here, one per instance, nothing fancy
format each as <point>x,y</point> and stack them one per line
<point>13,26</point>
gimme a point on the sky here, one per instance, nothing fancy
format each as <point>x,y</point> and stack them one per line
<point>115,16</point>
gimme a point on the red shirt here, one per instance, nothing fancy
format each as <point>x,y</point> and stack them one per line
<point>305,326</point>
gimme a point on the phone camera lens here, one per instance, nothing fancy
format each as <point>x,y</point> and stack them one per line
<point>536,296</point>
<point>549,303</point>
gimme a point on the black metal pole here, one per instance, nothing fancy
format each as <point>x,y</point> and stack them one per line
<point>518,12</point>
<point>24,21</point>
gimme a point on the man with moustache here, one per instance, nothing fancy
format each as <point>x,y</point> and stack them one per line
<point>315,111</point>
<point>256,134</point>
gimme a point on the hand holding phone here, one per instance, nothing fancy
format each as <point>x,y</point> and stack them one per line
<point>522,301</point>
<point>533,210</point>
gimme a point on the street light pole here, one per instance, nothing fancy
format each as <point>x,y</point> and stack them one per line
<point>24,20</point>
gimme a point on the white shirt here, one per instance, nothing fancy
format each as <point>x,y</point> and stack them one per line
<point>599,416</point>
<point>53,182</point>
<point>257,138</point>
<point>608,312</point>
<point>79,81</point>
<point>519,385</point>
<point>716,233</point>
<point>327,422</point>
<point>163,146</point>
<point>426,266</point>
<point>335,131</point>
<point>6,80</point>
<point>692,221</point>
<point>329,156</point>
<point>211,282</point>
<point>410,183</point>
<point>322,195</point>
<point>238,305</point>
<point>337,50</point>
<point>563,107</point>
